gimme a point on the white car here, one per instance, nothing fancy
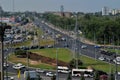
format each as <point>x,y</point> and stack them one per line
<point>18,66</point>
<point>6,65</point>
<point>50,74</point>
<point>83,46</point>
<point>101,58</point>
<point>117,60</point>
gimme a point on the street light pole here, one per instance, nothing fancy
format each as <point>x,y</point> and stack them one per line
<point>57,78</point>
<point>76,37</point>
<point>27,60</point>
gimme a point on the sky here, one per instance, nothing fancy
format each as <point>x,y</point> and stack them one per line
<point>54,5</point>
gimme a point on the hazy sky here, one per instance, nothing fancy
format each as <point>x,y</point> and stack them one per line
<point>54,5</point>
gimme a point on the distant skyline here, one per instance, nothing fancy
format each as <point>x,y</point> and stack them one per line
<point>54,5</point>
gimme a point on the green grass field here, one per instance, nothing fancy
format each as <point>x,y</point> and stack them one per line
<point>97,64</point>
<point>64,55</point>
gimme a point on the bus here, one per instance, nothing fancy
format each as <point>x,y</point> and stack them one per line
<point>63,69</point>
<point>79,72</point>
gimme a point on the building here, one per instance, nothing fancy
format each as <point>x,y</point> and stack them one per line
<point>115,11</point>
<point>63,14</point>
<point>7,20</point>
<point>1,10</point>
<point>105,11</point>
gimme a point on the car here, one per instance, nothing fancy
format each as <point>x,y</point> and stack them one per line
<point>6,65</point>
<point>117,60</point>
<point>83,46</point>
<point>11,78</point>
<point>18,66</point>
<point>66,45</point>
<point>50,46</point>
<point>118,73</point>
<point>101,58</point>
<point>50,74</point>
<point>40,71</point>
<point>63,39</point>
<point>97,46</point>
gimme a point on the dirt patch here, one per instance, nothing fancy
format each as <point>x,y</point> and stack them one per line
<point>34,62</point>
<point>35,59</point>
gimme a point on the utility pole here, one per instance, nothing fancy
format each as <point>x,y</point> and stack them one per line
<point>2,32</point>
<point>76,37</point>
<point>95,48</point>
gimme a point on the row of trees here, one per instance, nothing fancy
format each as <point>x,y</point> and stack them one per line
<point>102,28</point>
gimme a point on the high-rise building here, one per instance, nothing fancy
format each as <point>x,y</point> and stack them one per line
<point>105,11</point>
<point>1,10</point>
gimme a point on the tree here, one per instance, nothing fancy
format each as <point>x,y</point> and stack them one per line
<point>54,77</point>
<point>39,78</point>
<point>69,76</point>
<point>28,76</point>
<point>20,52</point>
<point>72,63</point>
<point>82,76</point>
<point>111,77</point>
<point>96,75</point>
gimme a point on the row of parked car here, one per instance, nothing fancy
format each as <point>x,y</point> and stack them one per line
<point>33,47</point>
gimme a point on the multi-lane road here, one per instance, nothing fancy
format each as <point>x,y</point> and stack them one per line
<point>90,51</point>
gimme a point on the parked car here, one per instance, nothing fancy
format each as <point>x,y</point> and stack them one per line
<point>50,74</point>
<point>83,46</point>
<point>117,60</point>
<point>50,46</point>
<point>6,65</point>
<point>101,58</point>
<point>40,71</point>
<point>97,46</point>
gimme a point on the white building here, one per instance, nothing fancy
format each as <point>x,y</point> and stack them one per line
<point>105,11</point>
<point>115,11</point>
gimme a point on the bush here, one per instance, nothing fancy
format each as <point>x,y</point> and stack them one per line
<point>72,63</point>
<point>20,52</point>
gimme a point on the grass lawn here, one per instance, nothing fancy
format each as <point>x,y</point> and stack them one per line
<point>12,58</point>
<point>99,65</point>
<point>44,42</point>
<point>64,55</point>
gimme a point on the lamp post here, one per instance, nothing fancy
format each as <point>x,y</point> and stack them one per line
<point>76,37</point>
<point>2,32</point>
<point>27,60</point>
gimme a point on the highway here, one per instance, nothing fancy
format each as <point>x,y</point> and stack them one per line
<point>90,51</point>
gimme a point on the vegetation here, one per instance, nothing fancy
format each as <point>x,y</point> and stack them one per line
<point>20,52</point>
<point>82,76</point>
<point>53,77</point>
<point>102,28</point>
<point>72,63</point>
<point>96,75</point>
<point>63,54</point>
<point>69,76</point>
<point>87,61</point>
